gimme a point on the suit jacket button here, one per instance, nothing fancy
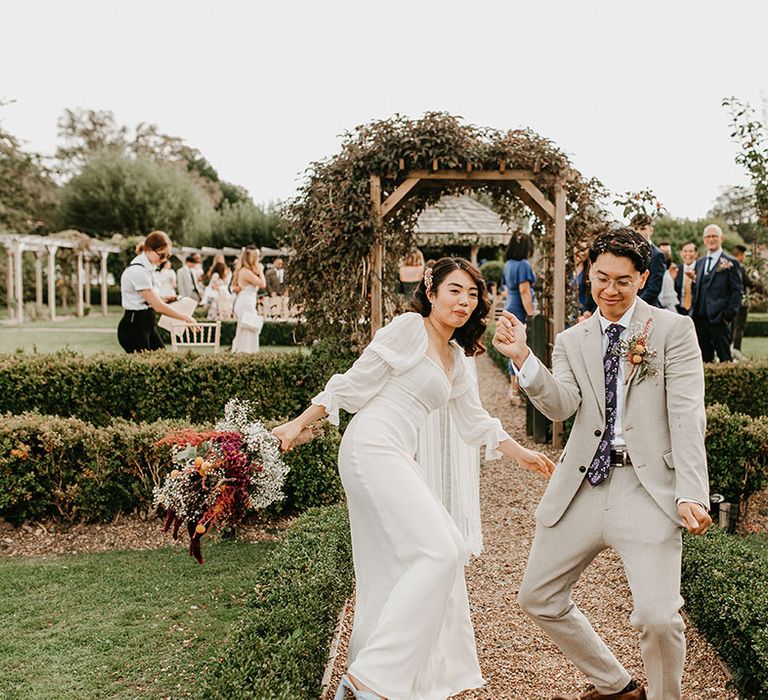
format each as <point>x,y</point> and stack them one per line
<point>598,433</point>
<point>582,469</point>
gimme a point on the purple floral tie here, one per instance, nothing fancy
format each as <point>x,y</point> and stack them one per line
<point>601,462</point>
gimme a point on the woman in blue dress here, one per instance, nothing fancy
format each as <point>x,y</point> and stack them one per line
<point>518,280</point>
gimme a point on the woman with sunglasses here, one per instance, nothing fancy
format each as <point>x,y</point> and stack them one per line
<point>140,299</point>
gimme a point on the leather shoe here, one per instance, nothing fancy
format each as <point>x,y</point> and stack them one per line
<point>636,694</point>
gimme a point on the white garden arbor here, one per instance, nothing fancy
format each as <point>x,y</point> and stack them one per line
<point>93,252</point>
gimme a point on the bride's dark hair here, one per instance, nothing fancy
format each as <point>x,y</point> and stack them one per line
<point>470,335</point>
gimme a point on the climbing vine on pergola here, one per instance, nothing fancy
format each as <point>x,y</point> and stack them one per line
<point>355,215</point>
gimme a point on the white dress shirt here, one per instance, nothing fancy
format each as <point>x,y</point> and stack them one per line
<point>136,278</point>
<point>711,260</point>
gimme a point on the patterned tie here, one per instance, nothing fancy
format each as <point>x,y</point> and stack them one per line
<point>601,462</point>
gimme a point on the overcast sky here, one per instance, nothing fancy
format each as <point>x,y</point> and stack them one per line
<point>631,90</point>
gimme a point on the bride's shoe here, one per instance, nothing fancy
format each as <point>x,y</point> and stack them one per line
<point>358,694</point>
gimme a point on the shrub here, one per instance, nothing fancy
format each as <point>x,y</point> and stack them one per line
<point>725,585</point>
<point>492,272</point>
<point>280,649</point>
<point>756,328</point>
<point>65,467</point>
<point>163,385</point>
<point>737,452</point>
<point>738,385</point>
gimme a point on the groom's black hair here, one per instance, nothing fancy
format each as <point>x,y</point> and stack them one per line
<point>623,242</point>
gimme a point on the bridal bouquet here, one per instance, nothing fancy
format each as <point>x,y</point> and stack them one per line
<point>220,475</point>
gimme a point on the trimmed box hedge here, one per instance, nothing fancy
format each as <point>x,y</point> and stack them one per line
<point>164,386</point>
<point>67,468</point>
<point>725,586</point>
<point>280,650</point>
<point>756,328</point>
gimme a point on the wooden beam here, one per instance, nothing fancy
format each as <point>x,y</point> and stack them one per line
<point>392,203</point>
<point>377,258</point>
<point>52,281</point>
<point>538,196</point>
<point>532,204</point>
<point>558,315</point>
<point>104,307</point>
<point>38,278</point>
<point>79,291</point>
<point>474,176</point>
<point>19,281</point>
<point>10,286</point>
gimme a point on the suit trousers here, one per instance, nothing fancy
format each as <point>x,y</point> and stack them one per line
<point>713,338</point>
<point>621,514</point>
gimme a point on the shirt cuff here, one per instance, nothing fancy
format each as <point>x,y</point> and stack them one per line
<point>527,373</point>
<point>690,500</point>
<point>493,437</point>
<point>328,401</point>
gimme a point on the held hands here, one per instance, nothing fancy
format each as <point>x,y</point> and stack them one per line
<point>292,434</point>
<point>696,519</point>
<point>536,462</point>
<point>510,338</point>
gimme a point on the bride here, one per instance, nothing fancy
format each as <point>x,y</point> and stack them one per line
<point>412,637</point>
<point>247,280</point>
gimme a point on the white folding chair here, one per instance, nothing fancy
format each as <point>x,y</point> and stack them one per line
<point>199,335</point>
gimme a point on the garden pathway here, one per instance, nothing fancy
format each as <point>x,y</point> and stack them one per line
<point>518,661</point>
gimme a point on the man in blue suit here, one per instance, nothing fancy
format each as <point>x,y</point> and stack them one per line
<point>717,299</point>
<point>643,224</point>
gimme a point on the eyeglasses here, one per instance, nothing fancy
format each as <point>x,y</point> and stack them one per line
<point>603,282</point>
<point>162,256</point>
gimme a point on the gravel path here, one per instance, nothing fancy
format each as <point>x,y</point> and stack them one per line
<point>518,661</point>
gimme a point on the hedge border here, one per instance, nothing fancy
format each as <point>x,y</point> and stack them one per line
<point>280,649</point>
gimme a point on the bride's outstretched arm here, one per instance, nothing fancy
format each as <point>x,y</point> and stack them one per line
<point>529,459</point>
<point>297,430</point>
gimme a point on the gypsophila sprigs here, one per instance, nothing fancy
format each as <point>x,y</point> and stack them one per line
<point>218,476</point>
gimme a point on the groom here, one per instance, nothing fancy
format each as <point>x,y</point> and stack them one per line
<point>632,475</point>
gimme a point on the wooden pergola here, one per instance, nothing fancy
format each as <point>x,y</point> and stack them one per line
<point>521,182</point>
<point>17,245</point>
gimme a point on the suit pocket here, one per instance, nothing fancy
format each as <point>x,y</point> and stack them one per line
<point>667,456</point>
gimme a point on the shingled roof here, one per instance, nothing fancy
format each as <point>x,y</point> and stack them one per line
<point>462,220</point>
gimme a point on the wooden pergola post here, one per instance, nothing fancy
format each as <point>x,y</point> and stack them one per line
<point>87,281</point>
<point>18,251</point>
<point>38,278</point>
<point>52,280</point>
<point>11,283</point>
<point>79,290</point>
<point>377,258</point>
<point>104,307</point>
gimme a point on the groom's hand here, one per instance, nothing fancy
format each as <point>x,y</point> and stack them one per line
<point>696,519</point>
<point>510,338</point>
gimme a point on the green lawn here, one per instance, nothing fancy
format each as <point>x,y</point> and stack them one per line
<point>87,335</point>
<point>754,347</point>
<point>119,625</point>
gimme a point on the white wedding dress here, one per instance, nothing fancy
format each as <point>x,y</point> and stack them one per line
<point>246,339</point>
<point>412,637</point>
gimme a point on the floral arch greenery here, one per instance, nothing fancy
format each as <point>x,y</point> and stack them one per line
<point>355,215</point>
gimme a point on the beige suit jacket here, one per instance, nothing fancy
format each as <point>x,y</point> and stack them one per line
<point>663,415</point>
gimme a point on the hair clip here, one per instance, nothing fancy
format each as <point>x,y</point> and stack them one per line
<point>427,279</point>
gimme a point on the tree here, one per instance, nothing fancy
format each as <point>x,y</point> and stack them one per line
<point>244,223</point>
<point>676,232</point>
<point>736,206</point>
<point>117,194</point>
<point>27,190</point>
<point>752,136</point>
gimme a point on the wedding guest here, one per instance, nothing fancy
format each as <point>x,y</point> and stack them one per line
<point>668,296</point>
<point>718,297</point>
<point>748,285</point>
<point>217,295</point>
<point>412,635</point>
<point>165,281</point>
<point>666,248</point>
<point>643,224</point>
<point>685,282</point>
<point>633,473</point>
<point>140,299</point>
<point>410,272</point>
<point>188,278</point>
<point>247,280</point>
<point>518,279</point>
<point>276,278</point>
<point>581,271</point>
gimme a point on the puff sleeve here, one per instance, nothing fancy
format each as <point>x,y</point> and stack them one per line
<point>395,348</point>
<point>475,425</point>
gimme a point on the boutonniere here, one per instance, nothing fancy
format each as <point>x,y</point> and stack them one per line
<point>723,265</point>
<point>636,351</point>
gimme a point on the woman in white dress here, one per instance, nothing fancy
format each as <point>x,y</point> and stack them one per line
<point>248,279</point>
<point>165,281</point>
<point>412,637</point>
